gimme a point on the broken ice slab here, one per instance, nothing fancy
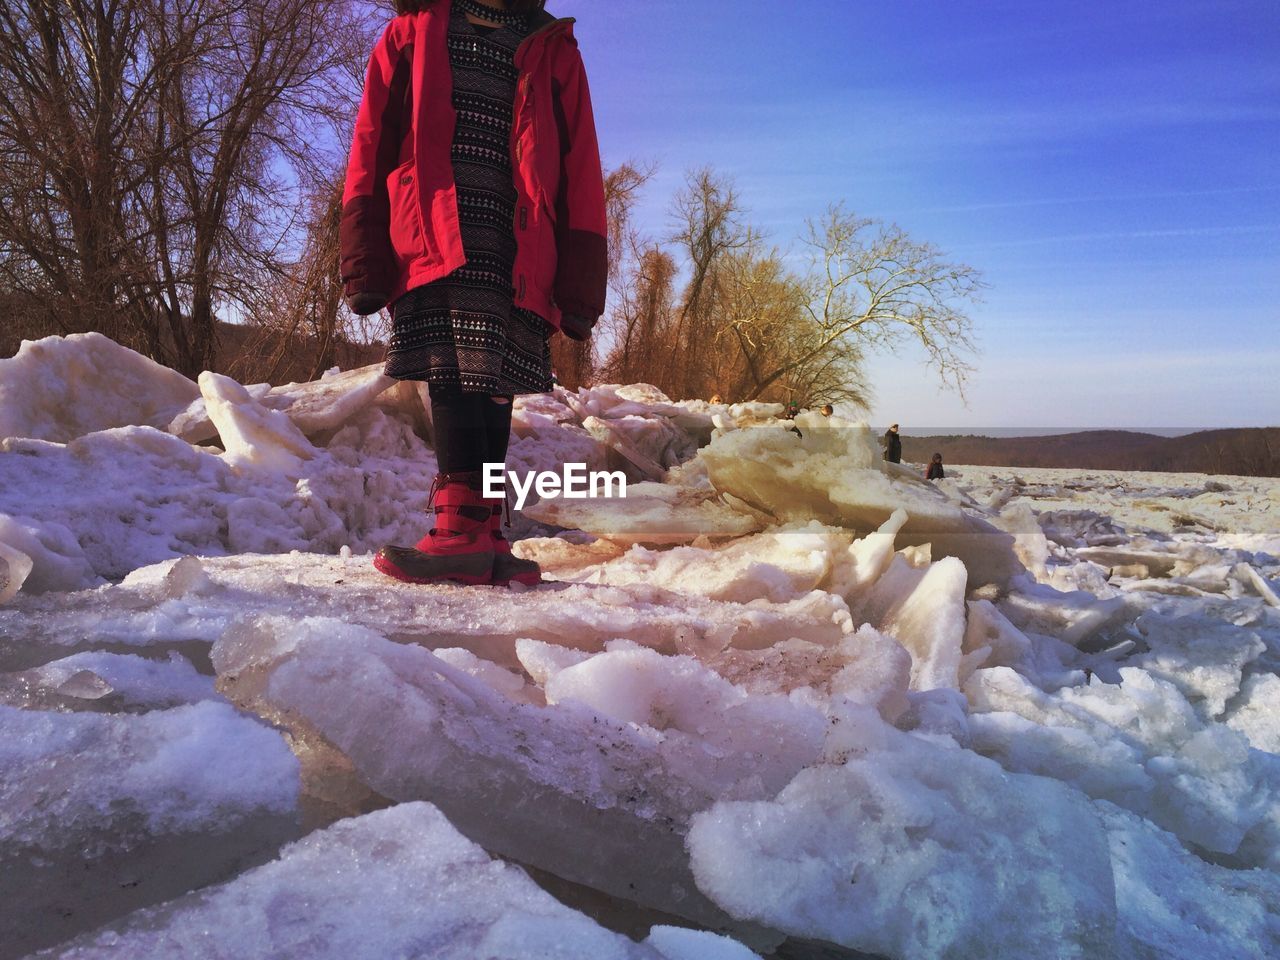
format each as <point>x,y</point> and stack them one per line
<point>254,436</point>
<point>43,556</point>
<point>924,610</point>
<point>1256,713</point>
<point>14,568</point>
<point>111,681</point>
<point>1204,657</point>
<point>651,513</point>
<point>592,799</point>
<point>776,565</point>
<point>865,667</point>
<point>1077,528</point>
<point>139,612</point>
<point>990,640</point>
<point>1248,575</point>
<point>905,848</point>
<point>61,388</point>
<point>100,814</point>
<point>396,883</point>
<point>316,407</point>
<point>1176,559</point>
<point>835,475</point>
<point>1141,745</point>
<point>1171,903</point>
<point>1072,617</point>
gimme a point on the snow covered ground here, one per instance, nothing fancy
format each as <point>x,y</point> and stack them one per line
<point>784,700</point>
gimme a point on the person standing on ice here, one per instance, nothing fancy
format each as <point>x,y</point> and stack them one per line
<point>892,444</point>
<point>934,471</point>
<point>474,207</point>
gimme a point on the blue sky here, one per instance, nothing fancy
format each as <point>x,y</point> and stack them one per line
<point>1113,169</point>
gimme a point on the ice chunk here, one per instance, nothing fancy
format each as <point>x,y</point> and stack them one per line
<point>130,680</point>
<point>1247,574</point>
<point>867,559</point>
<point>1140,745</point>
<point>834,474</point>
<point>565,559</point>
<point>641,444</point>
<point>40,557</point>
<point>60,388</point>
<point>1029,541</point>
<point>1174,905</point>
<point>320,406</point>
<point>1203,657</point>
<point>103,814</point>
<point>775,565</point>
<point>1071,617</point>
<point>866,667</point>
<point>650,513</point>
<point>396,883</point>
<point>112,501</point>
<point>722,724</point>
<point>543,660</point>
<point>15,567</point>
<point>1257,713</point>
<point>85,685</point>
<point>990,639</point>
<point>254,436</point>
<point>923,609</point>
<point>510,685</point>
<point>562,788</point>
<point>908,849</point>
<point>681,943</point>
<point>328,403</point>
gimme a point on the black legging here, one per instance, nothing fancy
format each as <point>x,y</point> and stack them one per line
<point>471,429</point>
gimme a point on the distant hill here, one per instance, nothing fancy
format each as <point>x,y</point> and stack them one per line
<point>1245,451</point>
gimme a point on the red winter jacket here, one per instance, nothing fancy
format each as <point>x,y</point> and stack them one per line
<point>400,210</point>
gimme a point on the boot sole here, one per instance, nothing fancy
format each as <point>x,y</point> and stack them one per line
<point>384,565</point>
<point>528,579</point>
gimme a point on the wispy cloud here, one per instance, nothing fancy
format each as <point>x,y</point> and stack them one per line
<point>1133,235</point>
<point>1095,198</point>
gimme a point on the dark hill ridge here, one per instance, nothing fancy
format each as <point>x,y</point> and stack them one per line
<point>1243,451</point>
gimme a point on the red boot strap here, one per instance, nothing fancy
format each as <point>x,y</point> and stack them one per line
<point>452,521</point>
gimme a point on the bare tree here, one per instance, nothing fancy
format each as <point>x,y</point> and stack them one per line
<point>153,158</point>
<point>709,229</point>
<point>870,288</point>
<point>643,320</point>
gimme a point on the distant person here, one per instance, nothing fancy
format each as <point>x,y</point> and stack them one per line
<point>793,410</point>
<point>827,410</point>
<point>892,444</point>
<point>934,471</point>
<point>715,398</point>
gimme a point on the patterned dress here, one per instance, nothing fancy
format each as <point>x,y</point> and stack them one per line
<point>464,329</point>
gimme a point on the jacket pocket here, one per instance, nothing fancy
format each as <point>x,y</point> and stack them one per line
<point>406,218</point>
<point>547,254</point>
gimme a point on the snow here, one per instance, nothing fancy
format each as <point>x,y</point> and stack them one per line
<point>60,388</point>
<point>782,698</point>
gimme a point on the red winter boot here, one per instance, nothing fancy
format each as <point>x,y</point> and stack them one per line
<point>507,567</point>
<point>458,548</point>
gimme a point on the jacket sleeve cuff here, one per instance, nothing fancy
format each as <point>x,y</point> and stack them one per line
<point>582,272</point>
